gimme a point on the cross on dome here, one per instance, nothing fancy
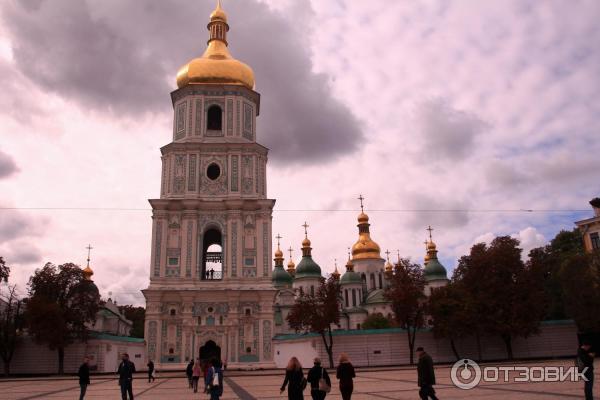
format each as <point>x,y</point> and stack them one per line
<point>361,198</point>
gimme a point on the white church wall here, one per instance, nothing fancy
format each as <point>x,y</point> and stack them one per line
<point>389,347</point>
<point>305,350</point>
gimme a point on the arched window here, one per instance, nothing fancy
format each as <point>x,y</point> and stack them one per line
<point>353,297</point>
<point>214,118</point>
<point>173,312</point>
<point>212,266</point>
<point>312,290</point>
<point>380,281</point>
<point>346,295</point>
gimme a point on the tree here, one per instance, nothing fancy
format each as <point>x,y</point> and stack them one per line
<point>405,293</point>
<point>547,260</point>
<point>376,321</point>
<point>11,319</point>
<point>4,270</point>
<point>136,315</point>
<point>61,303</point>
<point>318,313</point>
<point>580,279</point>
<point>504,295</point>
<point>448,313</point>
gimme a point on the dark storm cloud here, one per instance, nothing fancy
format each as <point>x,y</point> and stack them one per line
<point>22,253</point>
<point>7,165</point>
<point>15,224</point>
<point>448,133</point>
<point>122,57</point>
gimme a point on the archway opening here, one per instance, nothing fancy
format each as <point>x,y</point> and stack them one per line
<point>213,118</point>
<point>209,351</point>
<point>212,263</point>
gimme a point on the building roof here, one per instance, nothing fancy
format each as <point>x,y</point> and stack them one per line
<point>376,296</point>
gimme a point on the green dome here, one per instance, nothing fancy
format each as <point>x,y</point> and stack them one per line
<point>434,270</point>
<point>281,277</point>
<point>307,267</point>
<point>350,277</point>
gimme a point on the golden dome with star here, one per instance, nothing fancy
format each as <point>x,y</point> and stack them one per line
<point>217,65</point>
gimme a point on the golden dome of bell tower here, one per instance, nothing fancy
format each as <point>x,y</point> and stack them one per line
<point>365,247</point>
<point>217,65</point>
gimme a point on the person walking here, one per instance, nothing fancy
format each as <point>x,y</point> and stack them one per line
<point>345,374</point>
<point>585,359</point>
<point>150,366</point>
<point>84,377</point>
<point>320,384</point>
<point>189,371</point>
<point>426,375</point>
<point>294,380</point>
<point>214,380</point>
<point>196,372</point>
<point>125,371</point>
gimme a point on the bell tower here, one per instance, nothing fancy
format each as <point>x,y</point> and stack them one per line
<point>210,273</point>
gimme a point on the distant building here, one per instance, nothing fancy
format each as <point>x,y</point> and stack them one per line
<point>590,228</point>
<point>110,320</point>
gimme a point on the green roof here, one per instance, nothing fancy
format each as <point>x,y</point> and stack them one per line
<point>307,267</point>
<point>281,277</point>
<point>434,270</point>
<point>350,277</point>
<point>106,336</point>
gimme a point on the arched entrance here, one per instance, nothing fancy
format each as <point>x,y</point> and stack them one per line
<point>209,351</point>
<point>212,249</point>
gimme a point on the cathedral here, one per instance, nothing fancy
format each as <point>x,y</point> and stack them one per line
<point>212,290</point>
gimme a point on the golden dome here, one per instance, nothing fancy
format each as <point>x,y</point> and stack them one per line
<point>87,273</point>
<point>306,242</point>
<point>218,13</point>
<point>291,265</point>
<point>430,245</point>
<point>388,266</point>
<point>217,65</point>
<point>363,218</point>
<point>278,253</point>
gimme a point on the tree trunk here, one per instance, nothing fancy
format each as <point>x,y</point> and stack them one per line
<point>453,346</point>
<point>411,344</point>
<point>508,343</point>
<point>328,347</point>
<point>61,360</point>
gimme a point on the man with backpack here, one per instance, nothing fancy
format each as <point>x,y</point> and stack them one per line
<point>320,383</point>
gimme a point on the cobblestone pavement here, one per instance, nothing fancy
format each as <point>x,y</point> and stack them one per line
<point>389,383</point>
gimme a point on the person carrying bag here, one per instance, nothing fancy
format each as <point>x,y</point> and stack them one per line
<point>320,383</point>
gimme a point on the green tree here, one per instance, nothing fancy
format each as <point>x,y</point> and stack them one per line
<point>318,313</point>
<point>547,261</point>
<point>449,316</point>
<point>61,304</point>
<point>580,279</point>
<point>376,321</point>
<point>136,315</point>
<point>504,295</point>
<point>405,293</point>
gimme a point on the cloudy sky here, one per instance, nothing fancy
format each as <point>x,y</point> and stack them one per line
<point>450,113</point>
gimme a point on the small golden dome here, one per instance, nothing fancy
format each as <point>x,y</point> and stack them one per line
<point>431,245</point>
<point>291,264</point>
<point>363,218</point>
<point>217,65</point>
<point>388,266</point>
<point>278,253</point>
<point>87,273</point>
<point>306,242</point>
<point>218,13</point>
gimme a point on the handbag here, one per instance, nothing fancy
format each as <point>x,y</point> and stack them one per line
<point>215,379</point>
<point>323,386</point>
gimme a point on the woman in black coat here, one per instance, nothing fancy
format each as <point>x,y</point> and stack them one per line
<point>345,374</point>
<point>294,380</point>
<point>314,376</point>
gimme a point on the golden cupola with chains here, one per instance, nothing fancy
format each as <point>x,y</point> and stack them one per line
<point>365,248</point>
<point>217,65</point>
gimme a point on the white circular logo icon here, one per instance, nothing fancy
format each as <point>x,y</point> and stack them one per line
<point>465,374</point>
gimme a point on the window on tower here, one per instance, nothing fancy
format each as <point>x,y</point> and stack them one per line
<point>213,171</point>
<point>214,118</point>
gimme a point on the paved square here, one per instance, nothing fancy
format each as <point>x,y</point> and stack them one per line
<point>383,383</point>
